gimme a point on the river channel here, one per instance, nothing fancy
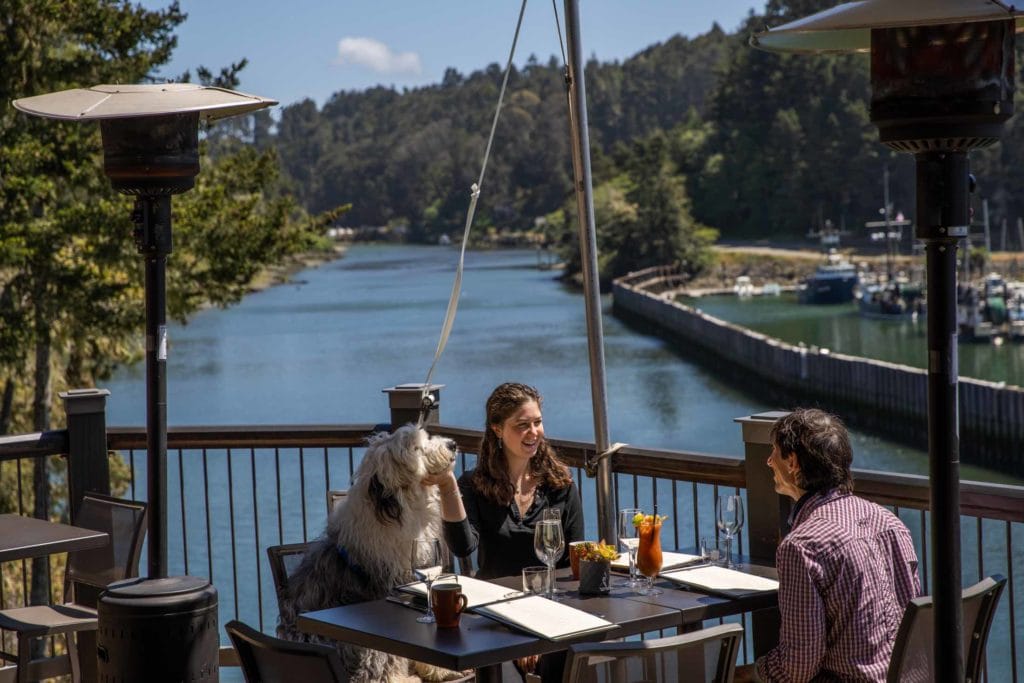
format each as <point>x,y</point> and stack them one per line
<point>321,349</point>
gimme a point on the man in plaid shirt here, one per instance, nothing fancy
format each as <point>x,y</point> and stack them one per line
<point>847,567</point>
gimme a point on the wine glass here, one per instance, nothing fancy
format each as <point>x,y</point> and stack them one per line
<point>629,540</point>
<point>426,565</point>
<point>729,514</point>
<point>554,514</point>
<point>548,543</point>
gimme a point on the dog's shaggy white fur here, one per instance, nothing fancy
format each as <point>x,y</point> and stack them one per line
<point>367,546</point>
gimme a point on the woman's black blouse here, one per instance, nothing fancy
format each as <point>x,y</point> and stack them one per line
<point>504,541</point>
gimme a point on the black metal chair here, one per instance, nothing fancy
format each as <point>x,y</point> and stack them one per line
<point>335,497</point>
<point>912,657</point>
<point>707,655</point>
<point>266,659</point>
<point>87,573</point>
<point>284,560</point>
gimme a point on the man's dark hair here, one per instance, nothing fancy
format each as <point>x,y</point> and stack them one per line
<point>822,447</point>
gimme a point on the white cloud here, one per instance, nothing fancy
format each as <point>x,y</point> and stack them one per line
<point>377,56</point>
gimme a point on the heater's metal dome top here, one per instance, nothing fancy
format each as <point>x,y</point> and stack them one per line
<point>847,27</point>
<point>129,101</point>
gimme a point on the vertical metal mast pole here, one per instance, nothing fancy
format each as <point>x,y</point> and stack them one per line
<point>890,256</point>
<point>577,95</point>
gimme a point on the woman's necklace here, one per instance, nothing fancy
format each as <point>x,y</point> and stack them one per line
<point>524,500</point>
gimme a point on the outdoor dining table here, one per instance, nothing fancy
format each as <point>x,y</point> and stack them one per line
<point>483,644</point>
<point>24,537</point>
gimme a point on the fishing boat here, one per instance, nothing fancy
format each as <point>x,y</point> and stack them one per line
<point>833,282</point>
<point>743,287</point>
<point>897,300</point>
<point>897,297</point>
<point>982,314</point>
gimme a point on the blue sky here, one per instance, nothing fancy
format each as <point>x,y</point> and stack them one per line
<point>313,48</point>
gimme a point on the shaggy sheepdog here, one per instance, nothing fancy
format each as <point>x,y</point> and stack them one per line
<point>366,548</point>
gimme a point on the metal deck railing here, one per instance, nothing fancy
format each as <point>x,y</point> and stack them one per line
<point>233,491</point>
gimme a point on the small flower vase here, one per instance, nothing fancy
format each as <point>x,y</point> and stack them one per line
<point>595,577</point>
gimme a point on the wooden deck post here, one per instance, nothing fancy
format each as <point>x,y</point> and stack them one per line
<point>88,469</point>
<point>767,512</point>
<point>407,400</point>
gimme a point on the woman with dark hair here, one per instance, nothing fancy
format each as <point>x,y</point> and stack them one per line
<point>494,508</point>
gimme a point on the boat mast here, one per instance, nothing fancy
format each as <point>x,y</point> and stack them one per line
<point>889,256</point>
<point>577,96</point>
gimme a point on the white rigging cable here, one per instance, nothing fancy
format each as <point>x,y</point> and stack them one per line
<point>453,301</point>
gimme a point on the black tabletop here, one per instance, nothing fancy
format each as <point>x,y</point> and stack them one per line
<point>481,642</point>
<point>26,537</point>
<point>696,606</point>
<point>478,641</point>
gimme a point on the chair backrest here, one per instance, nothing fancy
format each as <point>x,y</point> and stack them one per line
<point>89,571</point>
<point>266,659</point>
<point>333,498</point>
<point>912,654</point>
<point>708,655</point>
<point>284,559</point>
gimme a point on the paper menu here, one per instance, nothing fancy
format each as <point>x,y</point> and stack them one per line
<point>545,618</point>
<point>721,580</point>
<point>531,613</point>
<point>477,592</point>
<point>668,561</point>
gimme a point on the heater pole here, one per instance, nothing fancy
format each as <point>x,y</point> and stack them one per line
<point>943,219</point>
<point>152,218</point>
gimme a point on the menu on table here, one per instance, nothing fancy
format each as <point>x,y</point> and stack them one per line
<point>668,561</point>
<point>721,581</point>
<point>531,613</point>
<point>477,592</point>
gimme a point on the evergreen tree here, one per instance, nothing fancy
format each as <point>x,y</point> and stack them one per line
<point>71,300</point>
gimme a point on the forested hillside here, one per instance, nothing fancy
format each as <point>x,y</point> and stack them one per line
<point>760,145</point>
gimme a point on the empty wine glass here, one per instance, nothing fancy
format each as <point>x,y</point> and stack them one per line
<point>552,513</point>
<point>729,514</point>
<point>426,565</point>
<point>548,543</point>
<point>629,540</point>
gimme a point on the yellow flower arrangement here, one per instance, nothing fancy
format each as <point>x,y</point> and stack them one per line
<point>596,552</point>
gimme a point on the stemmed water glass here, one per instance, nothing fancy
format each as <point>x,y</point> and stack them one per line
<point>629,540</point>
<point>729,514</point>
<point>426,565</point>
<point>548,543</point>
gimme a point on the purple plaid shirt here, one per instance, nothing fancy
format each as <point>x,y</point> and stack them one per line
<point>846,572</point>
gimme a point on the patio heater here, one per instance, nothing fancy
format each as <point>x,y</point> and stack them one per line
<point>150,151</point>
<point>942,80</point>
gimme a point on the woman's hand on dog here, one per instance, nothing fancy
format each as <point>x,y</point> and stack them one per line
<point>445,481</point>
<point>447,485</point>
